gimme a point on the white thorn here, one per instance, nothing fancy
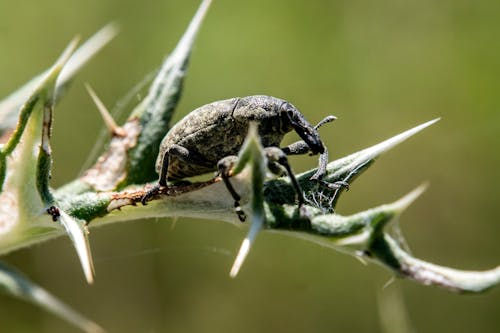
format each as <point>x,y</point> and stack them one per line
<point>86,52</point>
<point>79,236</point>
<point>70,49</point>
<point>409,198</point>
<point>106,115</point>
<point>240,258</point>
<point>389,282</point>
<point>378,149</point>
<point>255,227</point>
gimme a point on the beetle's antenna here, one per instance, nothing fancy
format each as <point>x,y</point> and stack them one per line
<point>328,119</point>
<point>106,115</point>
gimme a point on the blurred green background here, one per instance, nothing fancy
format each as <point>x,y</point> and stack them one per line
<point>381,67</point>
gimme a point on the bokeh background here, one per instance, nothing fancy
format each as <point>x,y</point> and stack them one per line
<point>381,67</point>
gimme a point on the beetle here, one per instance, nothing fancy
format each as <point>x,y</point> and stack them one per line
<point>209,138</point>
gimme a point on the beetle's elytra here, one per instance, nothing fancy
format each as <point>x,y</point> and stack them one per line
<point>209,138</point>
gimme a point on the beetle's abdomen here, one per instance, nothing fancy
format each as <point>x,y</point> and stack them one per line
<point>217,130</point>
<point>207,148</point>
<point>179,170</point>
<point>207,133</point>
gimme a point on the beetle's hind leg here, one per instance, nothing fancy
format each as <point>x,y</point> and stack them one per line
<point>184,155</point>
<point>224,166</point>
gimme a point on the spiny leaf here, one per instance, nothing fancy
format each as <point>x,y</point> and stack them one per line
<point>344,166</point>
<point>168,81</point>
<point>363,235</point>
<point>43,93</point>
<point>9,107</point>
<point>157,108</point>
<point>84,54</point>
<point>339,229</point>
<point>14,283</point>
<point>44,163</point>
<point>40,135</point>
<point>426,273</point>
<point>348,168</point>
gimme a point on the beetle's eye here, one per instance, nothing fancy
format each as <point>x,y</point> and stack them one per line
<point>288,109</point>
<point>285,107</point>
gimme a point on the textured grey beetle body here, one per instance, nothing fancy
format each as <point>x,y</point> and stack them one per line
<point>218,129</point>
<point>210,137</point>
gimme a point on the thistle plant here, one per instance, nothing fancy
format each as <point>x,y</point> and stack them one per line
<point>110,191</point>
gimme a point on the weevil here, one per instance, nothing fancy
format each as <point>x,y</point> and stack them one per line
<point>209,138</point>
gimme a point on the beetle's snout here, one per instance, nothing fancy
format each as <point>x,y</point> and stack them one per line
<point>310,135</point>
<point>314,142</point>
<point>305,130</point>
<point>318,148</point>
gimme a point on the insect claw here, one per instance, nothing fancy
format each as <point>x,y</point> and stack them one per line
<point>239,211</point>
<point>344,184</point>
<point>339,184</point>
<point>304,213</point>
<point>332,186</point>
<point>153,191</point>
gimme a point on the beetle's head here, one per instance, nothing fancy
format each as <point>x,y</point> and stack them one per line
<point>292,117</point>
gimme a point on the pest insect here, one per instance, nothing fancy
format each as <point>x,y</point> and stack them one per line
<point>209,138</point>
<point>54,212</point>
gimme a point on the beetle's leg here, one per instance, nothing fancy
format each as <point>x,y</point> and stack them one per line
<point>321,172</point>
<point>188,156</point>
<point>296,148</point>
<point>322,163</point>
<point>225,165</point>
<point>276,155</point>
<point>301,148</point>
<point>162,181</point>
<point>182,154</point>
<point>149,194</point>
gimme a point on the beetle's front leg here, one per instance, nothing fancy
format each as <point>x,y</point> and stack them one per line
<point>276,155</point>
<point>224,166</point>
<point>301,148</point>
